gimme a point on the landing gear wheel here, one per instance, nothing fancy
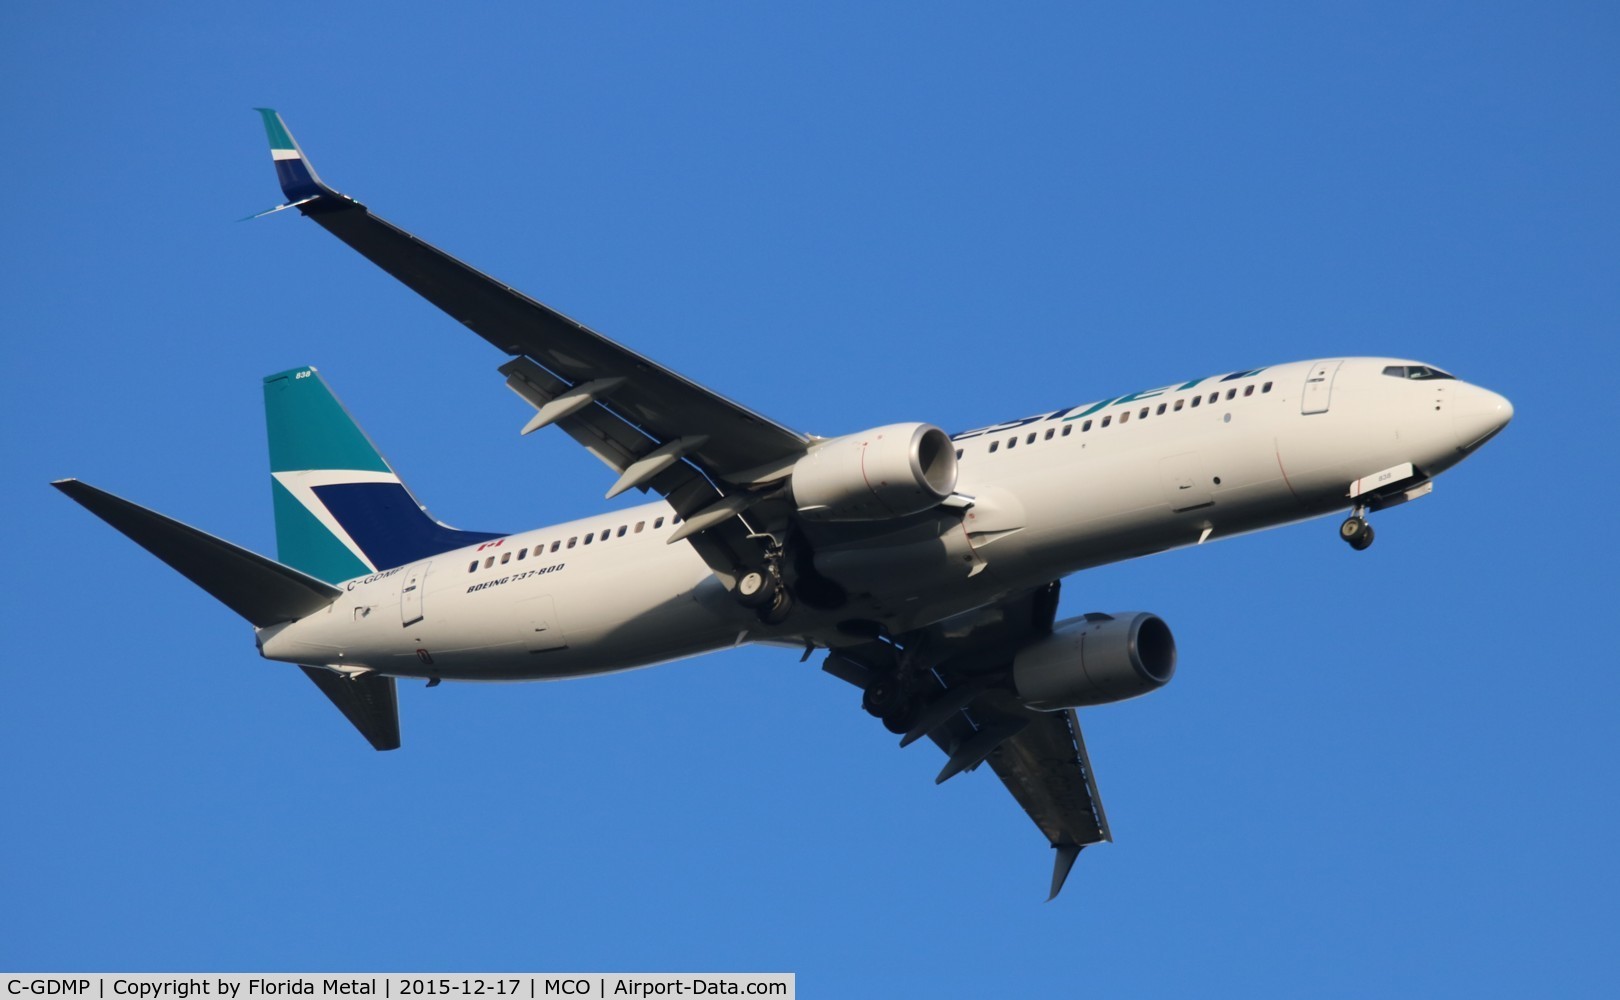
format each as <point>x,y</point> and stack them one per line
<point>899,723</point>
<point>776,612</point>
<point>1365,540</point>
<point>756,589</point>
<point>893,704</point>
<point>882,697</point>
<point>1357,532</point>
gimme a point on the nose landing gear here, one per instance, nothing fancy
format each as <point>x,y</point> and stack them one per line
<point>1355,530</point>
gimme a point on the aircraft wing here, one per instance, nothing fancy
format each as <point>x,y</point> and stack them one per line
<point>725,439</point>
<point>1039,756</point>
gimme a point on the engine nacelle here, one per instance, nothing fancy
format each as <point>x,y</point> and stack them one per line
<point>885,472</point>
<point>1095,660</point>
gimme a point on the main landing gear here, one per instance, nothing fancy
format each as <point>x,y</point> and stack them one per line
<point>894,701</point>
<point>763,591</point>
<point>1355,530</point>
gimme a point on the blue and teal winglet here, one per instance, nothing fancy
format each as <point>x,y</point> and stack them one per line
<point>299,182</point>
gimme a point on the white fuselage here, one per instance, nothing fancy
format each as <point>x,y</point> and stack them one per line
<point>1051,494</point>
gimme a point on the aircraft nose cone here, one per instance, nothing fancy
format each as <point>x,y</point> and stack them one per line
<point>1478,415</point>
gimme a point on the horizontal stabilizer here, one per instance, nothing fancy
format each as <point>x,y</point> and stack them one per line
<point>368,700</point>
<point>261,590</point>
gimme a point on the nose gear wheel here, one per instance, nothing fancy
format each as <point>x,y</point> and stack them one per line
<point>1356,531</point>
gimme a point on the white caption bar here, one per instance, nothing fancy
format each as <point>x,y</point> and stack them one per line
<point>391,986</point>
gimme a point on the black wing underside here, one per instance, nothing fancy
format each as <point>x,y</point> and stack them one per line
<point>653,399</point>
<point>1039,756</point>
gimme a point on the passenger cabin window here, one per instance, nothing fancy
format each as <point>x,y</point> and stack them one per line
<point>1160,411</point>
<point>658,523</point>
<point>958,457</point>
<point>556,545</point>
<point>523,554</point>
<point>1266,388</point>
<point>1030,439</point>
<point>1214,398</point>
<point>588,536</point>
<point>1085,427</point>
<point>1106,421</point>
<point>1197,399</point>
<point>622,529</point>
<point>473,567</point>
<point>489,561</point>
<point>1178,404</point>
<point>994,445</point>
<point>506,557</point>
<point>639,526</point>
<point>1143,414</point>
<point>1012,442</point>
<point>1123,417</point>
<point>1231,393</point>
<point>573,540</point>
<point>1248,390</point>
<point>1049,433</point>
<point>1067,428</point>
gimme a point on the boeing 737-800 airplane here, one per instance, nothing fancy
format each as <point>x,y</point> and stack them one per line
<point>926,565</point>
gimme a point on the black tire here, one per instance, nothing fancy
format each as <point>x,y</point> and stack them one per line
<point>1364,539</point>
<point>899,723</point>
<point>1352,529</point>
<point>776,612</point>
<point>883,698</point>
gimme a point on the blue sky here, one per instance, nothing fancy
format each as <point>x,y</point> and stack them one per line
<point>1387,772</point>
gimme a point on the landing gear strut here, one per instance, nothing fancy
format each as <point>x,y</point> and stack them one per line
<point>1356,531</point>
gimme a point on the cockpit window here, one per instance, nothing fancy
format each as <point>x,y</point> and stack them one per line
<point>1416,373</point>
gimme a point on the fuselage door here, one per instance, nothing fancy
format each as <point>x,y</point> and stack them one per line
<point>410,594</point>
<point>1319,386</point>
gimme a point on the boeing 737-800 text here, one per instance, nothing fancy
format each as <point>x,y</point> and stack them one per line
<point>925,565</point>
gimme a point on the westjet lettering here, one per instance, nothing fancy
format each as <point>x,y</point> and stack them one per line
<point>924,566</point>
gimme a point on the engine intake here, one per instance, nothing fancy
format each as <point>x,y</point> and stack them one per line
<point>885,472</point>
<point>1095,660</point>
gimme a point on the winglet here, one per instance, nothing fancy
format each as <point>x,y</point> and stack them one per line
<point>299,181</point>
<point>1066,855</point>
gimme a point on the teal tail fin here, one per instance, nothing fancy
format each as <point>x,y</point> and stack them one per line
<point>341,512</point>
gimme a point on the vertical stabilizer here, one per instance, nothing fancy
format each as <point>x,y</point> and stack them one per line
<point>340,510</point>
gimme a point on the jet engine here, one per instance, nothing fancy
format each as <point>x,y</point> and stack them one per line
<point>885,472</point>
<point>1094,660</point>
